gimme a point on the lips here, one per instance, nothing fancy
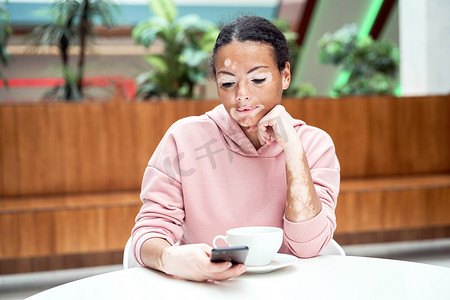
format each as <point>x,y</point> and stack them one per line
<point>246,109</point>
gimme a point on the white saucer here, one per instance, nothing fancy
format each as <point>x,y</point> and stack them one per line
<point>279,261</point>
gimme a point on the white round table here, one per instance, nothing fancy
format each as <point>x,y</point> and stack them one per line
<point>322,277</point>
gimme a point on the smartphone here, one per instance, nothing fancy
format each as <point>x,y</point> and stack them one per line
<point>236,255</point>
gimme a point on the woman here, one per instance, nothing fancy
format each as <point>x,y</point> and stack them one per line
<point>245,163</point>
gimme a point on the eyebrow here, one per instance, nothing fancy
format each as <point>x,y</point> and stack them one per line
<point>250,71</point>
<point>256,68</point>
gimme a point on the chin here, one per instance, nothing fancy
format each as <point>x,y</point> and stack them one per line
<point>248,126</point>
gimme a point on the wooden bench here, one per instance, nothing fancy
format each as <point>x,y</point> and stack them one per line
<point>70,173</point>
<point>393,209</point>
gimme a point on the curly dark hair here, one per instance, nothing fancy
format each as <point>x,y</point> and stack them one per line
<point>253,28</point>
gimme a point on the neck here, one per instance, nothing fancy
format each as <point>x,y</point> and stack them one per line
<point>253,137</point>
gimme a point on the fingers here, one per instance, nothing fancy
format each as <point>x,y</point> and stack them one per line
<point>207,248</point>
<point>220,271</point>
<point>274,126</point>
<point>280,135</point>
<point>266,130</point>
<point>217,267</point>
<point>229,273</point>
<point>263,134</point>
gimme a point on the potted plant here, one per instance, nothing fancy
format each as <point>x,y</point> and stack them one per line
<point>72,23</point>
<point>371,65</point>
<point>187,41</point>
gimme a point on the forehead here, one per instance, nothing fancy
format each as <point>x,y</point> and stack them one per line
<point>245,53</point>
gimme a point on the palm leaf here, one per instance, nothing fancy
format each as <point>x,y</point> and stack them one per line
<point>208,40</point>
<point>194,24</point>
<point>158,62</point>
<point>164,8</point>
<point>48,35</point>
<point>104,12</point>
<point>193,57</point>
<point>146,32</point>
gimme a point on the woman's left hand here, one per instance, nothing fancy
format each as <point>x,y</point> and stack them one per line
<point>276,124</point>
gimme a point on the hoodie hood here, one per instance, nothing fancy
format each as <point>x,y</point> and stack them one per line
<point>235,138</point>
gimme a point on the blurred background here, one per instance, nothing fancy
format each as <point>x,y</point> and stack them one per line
<point>418,31</point>
<point>88,88</point>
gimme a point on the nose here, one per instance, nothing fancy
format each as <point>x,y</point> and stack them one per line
<point>242,92</point>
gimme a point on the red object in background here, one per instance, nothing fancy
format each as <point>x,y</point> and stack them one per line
<point>32,82</point>
<point>127,86</point>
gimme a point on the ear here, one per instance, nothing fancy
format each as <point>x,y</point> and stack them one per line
<point>286,76</point>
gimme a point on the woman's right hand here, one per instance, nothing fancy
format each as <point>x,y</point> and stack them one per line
<point>191,262</point>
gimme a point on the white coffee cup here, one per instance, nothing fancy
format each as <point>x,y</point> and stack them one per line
<point>263,242</point>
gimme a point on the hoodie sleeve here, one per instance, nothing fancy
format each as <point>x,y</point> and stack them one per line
<point>307,239</point>
<point>162,212</point>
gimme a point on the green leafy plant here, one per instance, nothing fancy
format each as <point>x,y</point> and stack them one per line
<point>188,42</point>
<point>301,90</point>
<point>291,37</point>
<point>372,65</point>
<point>72,23</point>
<point>5,32</point>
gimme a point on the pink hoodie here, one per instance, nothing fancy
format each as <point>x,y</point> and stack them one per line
<point>206,177</point>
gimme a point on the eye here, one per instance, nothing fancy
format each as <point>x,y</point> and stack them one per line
<point>227,84</point>
<point>259,80</point>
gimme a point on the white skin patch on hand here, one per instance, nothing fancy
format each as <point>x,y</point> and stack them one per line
<point>299,191</point>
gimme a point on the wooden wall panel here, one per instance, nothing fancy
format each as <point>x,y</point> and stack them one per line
<point>383,136</point>
<point>57,262</point>
<point>386,236</point>
<point>393,207</point>
<point>72,160</point>
<point>127,144</point>
<point>420,207</point>
<point>146,116</point>
<point>9,235</point>
<point>118,225</point>
<point>357,212</point>
<point>62,231</point>
<point>91,144</point>
<point>30,149</point>
<point>9,159</point>
<point>44,229</point>
<point>54,151</point>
